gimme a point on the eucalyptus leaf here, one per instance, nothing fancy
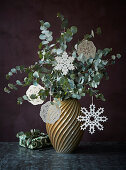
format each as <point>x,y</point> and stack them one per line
<point>59,51</point>
<point>42,28</point>
<point>10,73</point>
<point>46,32</point>
<point>73,29</point>
<point>25,97</point>
<point>45,42</point>
<point>6,90</point>
<point>35,83</point>
<point>50,38</point>
<point>19,100</point>
<point>18,83</point>
<point>12,86</point>
<point>113,57</point>
<point>46,24</point>
<point>60,16</point>
<point>42,37</point>
<point>13,70</point>
<point>71,82</point>
<point>76,46</point>
<point>118,56</point>
<point>36,74</point>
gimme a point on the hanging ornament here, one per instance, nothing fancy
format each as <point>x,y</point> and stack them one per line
<point>92,118</point>
<point>64,63</point>
<point>50,113</point>
<point>34,90</point>
<point>44,111</point>
<point>54,113</point>
<point>86,48</point>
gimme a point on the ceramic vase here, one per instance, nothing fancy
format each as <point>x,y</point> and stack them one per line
<point>65,134</point>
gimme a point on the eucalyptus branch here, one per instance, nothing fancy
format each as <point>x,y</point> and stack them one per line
<point>87,66</point>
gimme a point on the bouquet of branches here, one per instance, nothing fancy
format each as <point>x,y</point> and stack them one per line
<point>61,73</point>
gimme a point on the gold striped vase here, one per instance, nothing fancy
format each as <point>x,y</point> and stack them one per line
<point>65,133</point>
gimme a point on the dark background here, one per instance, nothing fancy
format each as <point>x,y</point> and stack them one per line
<point>19,32</point>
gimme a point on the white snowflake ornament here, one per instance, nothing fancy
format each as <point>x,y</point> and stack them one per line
<point>92,118</point>
<point>64,63</point>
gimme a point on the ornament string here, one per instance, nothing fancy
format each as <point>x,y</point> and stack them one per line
<point>50,93</point>
<point>92,99</point>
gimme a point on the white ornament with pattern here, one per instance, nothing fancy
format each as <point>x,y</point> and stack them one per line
<point>54,113</point>
<point>87,48</point>
<point>34,90</point>
<point>44,111</point>
<point>50,113</point>
<point>92,118</point>
<point>64,63</point>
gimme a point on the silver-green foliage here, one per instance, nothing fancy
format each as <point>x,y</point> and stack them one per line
<point>77,83</point>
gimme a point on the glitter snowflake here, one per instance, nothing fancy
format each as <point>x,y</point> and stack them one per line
<point>92,118</point>
<point>64,63</point>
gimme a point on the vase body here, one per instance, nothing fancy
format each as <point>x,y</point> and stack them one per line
<point>65,134</point>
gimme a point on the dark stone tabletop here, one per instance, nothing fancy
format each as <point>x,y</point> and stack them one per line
<point>88,156</point>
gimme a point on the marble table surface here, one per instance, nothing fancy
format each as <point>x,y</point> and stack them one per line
<point>88,156</point>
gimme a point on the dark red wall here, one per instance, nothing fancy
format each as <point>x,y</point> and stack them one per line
<point>19,32</point>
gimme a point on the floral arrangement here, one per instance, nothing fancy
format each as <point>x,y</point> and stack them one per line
<point>61,73</point>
